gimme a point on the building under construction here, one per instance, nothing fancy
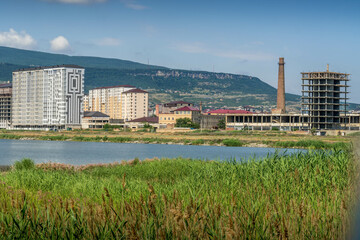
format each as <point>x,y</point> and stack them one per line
<point>324,96</point>
<point>324,106</point>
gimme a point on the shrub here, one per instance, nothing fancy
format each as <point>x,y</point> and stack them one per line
<point>232,143</point>
<point>24,164</point>
<point>198,142</point>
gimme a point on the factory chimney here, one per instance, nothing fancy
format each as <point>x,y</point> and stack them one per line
<point>280,107</point>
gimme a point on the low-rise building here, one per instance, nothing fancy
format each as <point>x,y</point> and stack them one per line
<point>141,122</point>
<point>185,112</point>
<point>171,106</point>
<point>94,120</point>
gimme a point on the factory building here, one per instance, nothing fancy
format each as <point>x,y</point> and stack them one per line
<point>324,106</point>
<point>48,97</point>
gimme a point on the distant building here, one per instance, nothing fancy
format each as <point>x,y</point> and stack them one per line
<point>48,97</point>
<point>184,112</point>
<point>171,106</point>
<point>140,122</point>
<point>119,102</point>
<point>86,103</point>
<point>226,111</point>
<point>94,120</point>
<point>5,105</point>
<point>211,121</point>
<point>135,104</point>
<point>324,98</point>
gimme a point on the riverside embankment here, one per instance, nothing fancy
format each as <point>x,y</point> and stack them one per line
<point>218,138</point>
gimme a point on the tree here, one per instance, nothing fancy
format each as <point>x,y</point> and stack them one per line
<point>186,122</point>
<point>221,124</point>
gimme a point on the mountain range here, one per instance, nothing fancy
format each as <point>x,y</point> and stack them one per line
<point>214,90</point>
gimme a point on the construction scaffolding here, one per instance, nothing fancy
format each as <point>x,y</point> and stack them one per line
<point>324,98</point>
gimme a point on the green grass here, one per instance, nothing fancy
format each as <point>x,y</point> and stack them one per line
<point>304,195</point>
<point>314,144</point>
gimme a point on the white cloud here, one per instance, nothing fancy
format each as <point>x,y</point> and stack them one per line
<point>17,40</point>
<point>108,42</point>
<point>60,44</point>
<point>76,1</point>
<point>197,48</point>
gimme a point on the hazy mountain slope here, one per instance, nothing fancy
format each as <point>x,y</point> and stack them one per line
<point>35,58</point>
<point>213,89</point>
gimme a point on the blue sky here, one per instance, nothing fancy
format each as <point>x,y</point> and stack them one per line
<point>244,37</point>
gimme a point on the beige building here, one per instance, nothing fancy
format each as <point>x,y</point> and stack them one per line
<point>119,102</point>
<point>94,120</point>
<point>184,112</point>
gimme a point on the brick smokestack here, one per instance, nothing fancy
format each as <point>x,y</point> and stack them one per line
<point>157,110</point>
<point>281,87</point>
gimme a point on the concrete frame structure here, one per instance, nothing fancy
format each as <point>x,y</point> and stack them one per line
<point>48,97</point>
<point>324,96</point>
<point>287,121</point>
<point>5,105</point>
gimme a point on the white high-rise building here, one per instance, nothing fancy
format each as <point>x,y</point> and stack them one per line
<point>48,97</point>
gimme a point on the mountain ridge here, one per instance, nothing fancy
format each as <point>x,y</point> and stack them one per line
<point>213,89</point>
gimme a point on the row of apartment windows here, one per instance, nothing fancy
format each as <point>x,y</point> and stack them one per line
<point>169,118</point>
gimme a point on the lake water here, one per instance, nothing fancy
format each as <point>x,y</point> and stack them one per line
<point>78,153</point>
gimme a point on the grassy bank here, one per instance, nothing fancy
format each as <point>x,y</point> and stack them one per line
<point>299,196</point>
<point>231,138</point>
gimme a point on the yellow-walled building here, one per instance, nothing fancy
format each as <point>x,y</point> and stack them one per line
<point>184,112</point>
<point>119,102</point>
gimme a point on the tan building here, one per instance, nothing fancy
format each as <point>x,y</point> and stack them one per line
<point>86,103</point>
<point>184,112</point>
<point>119,102</point>
<point>94,120</point>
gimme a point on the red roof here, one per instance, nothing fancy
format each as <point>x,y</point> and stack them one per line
<point>228,111</point>
<point>187,108</point>
<point>127,86</point>
<point>136,90</point>
<point>178,102</point>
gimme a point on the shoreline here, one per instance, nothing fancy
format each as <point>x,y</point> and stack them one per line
<point>225,139</point>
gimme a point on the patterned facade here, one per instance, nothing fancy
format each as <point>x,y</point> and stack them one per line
<point>48,97</point>
<point>119,102</point>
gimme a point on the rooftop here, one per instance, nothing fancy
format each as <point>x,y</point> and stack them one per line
<point>118,86</point>
<point>146,119</point>
<point>47,67</point>
<point>95,114</point>
<point>187,108</point>
<point>6,85</point>
<point>229,111</point>
<point>136,90</point>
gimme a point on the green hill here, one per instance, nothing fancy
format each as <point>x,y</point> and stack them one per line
<point>213,89</point>
<point>35,58</point>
